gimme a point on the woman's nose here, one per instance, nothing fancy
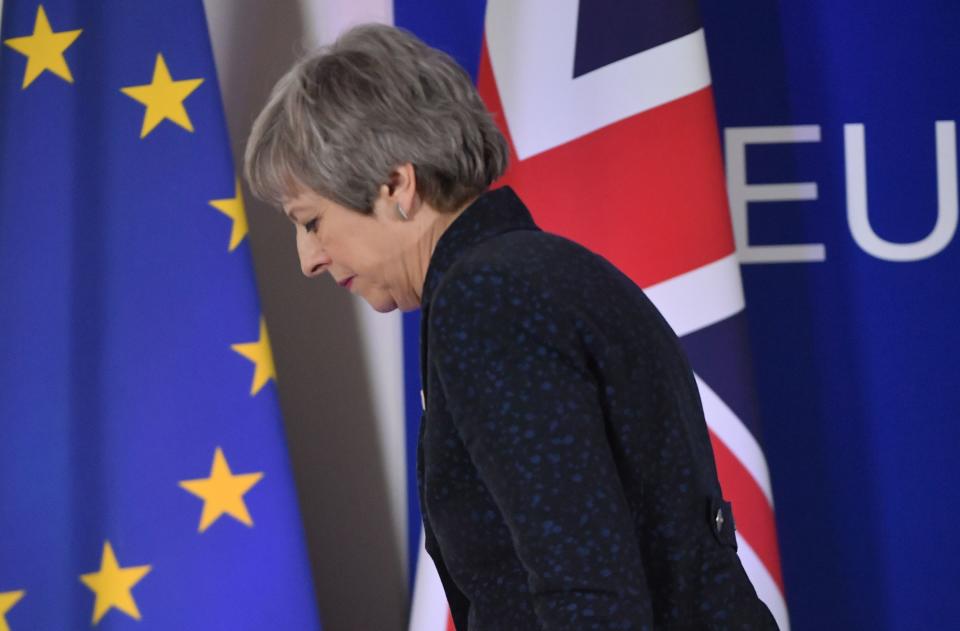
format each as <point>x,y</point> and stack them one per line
<point>311,269</point>
<point>313,260</point>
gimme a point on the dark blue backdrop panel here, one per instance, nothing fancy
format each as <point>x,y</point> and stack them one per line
<point>856,356</point>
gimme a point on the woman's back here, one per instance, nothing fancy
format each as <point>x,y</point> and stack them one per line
<point>566,473</point>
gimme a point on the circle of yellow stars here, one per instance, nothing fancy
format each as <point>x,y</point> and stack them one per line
<point>223,491</point>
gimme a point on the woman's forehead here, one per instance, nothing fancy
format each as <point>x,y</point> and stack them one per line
<point>303,199</point>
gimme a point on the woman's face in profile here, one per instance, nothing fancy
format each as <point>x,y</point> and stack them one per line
<point>362,252</point>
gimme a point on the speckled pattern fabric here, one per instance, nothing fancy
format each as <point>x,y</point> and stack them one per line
<point>565,472</point>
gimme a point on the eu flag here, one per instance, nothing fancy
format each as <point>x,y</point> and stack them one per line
<point>143,470</point>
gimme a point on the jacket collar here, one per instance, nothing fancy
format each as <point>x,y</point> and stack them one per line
<point>493,213</point>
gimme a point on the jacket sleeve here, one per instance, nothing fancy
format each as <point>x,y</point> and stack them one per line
<point>526,403</point>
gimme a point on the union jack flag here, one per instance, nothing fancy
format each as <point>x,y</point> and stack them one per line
<point>609,113</point>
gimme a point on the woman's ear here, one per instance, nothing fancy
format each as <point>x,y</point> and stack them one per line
<point>402,187</point>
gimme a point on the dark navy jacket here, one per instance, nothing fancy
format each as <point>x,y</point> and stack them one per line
<point>565,473</point>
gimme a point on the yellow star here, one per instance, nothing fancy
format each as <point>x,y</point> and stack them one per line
<point>163,97</point>
<point>233,208</point>
<point>262,357</point>
<point>44,49</point>
<point>7,601</point>
<point>112,585</point>
<point>222,492</point>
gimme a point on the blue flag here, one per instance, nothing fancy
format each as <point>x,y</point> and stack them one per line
<point>143,470</point>
<point>839,125</point>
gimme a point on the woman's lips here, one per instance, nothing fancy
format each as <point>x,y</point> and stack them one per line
<point>347,282</point>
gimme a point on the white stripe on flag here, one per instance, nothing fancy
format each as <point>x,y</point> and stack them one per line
<point>531,52</point>
<point>700,297</point>
<point>730,429</point>
<point>766,587</point>
<point>429,611</point>
<point>327,19</point>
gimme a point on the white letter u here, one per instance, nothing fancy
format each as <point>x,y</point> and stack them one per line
<point>856,173</point>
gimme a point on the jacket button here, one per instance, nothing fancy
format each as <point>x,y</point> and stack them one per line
<point>423,400</point>
<point>719,520</point>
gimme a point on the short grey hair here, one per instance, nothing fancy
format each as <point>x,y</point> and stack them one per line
<point>346,115</point>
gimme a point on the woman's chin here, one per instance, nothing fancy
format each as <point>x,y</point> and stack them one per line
<point>384,308</point>
<point>385,302</point>
<point>382,304</point>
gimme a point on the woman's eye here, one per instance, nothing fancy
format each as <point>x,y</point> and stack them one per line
<point>311,226</point>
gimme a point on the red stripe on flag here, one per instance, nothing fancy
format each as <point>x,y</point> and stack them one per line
<point>646,192</point>
<point>752,513</point>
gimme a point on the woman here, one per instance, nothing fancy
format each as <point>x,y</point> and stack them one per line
<point>566,478</point>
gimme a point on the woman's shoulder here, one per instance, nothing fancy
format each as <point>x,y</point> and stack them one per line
<point>534,260</point>
<point>530,273</point>
<point>511,264</point>
<point>530,256</point>
<point>507,290</point>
